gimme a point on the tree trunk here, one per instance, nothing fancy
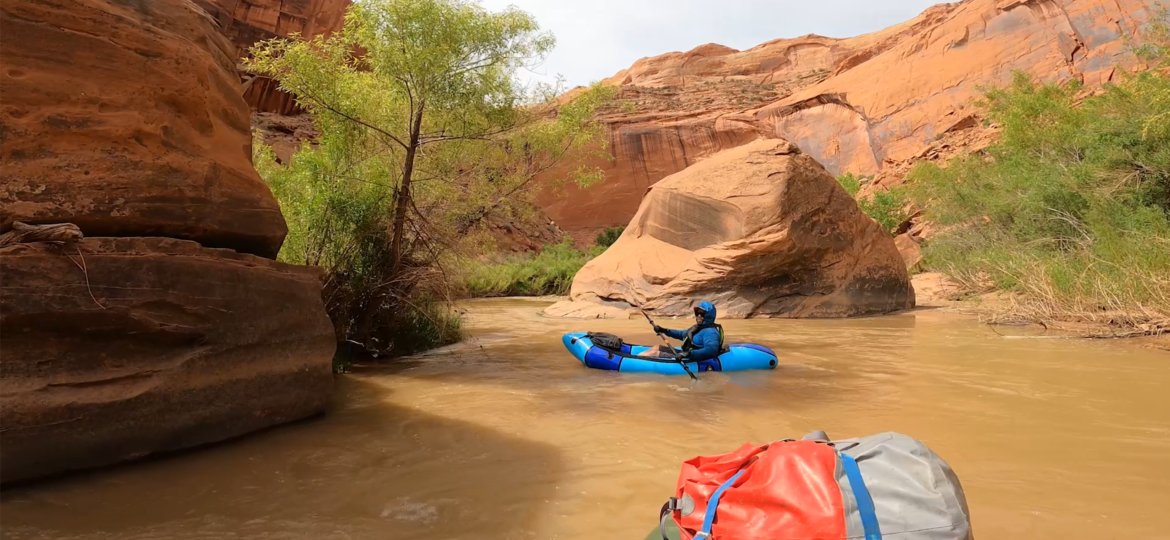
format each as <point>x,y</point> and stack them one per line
<point>369,315</point>
<point>404,189</point>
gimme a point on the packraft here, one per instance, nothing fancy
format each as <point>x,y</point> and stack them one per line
<point>882,486</point>
<point>609,352</point>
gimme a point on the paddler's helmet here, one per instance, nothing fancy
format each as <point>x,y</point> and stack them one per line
<point>706,310</point>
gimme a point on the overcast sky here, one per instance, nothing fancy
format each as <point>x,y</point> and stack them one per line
<point>597,38</point>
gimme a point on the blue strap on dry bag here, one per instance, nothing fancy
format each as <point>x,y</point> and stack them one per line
<point>865,507</point>
<point>713,505</point>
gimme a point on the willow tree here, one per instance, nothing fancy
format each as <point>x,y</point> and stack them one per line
<point>424,132</point>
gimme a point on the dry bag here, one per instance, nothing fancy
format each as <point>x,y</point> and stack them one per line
<point>883,486</point>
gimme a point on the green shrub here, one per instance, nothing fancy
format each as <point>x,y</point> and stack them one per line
<point>549,272</point>
<point>851,183</point>
<point>887,207</point>
<point>610,235</point>
<point>1071,208</point>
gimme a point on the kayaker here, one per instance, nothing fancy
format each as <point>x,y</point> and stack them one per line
<point>703,341</point>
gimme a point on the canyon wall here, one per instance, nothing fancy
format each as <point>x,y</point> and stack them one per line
<point>856,105</point>
<point>168,326</point>
<point>246,22</point>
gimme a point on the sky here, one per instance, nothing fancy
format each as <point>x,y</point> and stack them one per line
<point>598,38</point>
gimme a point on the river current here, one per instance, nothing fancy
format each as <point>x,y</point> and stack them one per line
<point>508,436</point>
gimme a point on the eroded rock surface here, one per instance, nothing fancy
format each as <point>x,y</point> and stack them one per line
<point>125,118</point>
<point>116,348</point>
<point>761,231</point>
<point>909,249</point>
<point>246,22</point>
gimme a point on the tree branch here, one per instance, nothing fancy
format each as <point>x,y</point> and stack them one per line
<point>359,121</point>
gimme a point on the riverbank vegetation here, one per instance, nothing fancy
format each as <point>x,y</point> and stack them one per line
<point>424,132</point>
<point>887,207</point>
<point>548,272</point>
<point>1070,210</point>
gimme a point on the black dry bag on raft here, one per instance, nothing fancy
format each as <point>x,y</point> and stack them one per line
<point>606,341</point>
<point>883,486</point>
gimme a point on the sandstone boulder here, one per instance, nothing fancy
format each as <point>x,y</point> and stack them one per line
<point>125,118</point>
<point>762,231</point>
<point>116,348</point>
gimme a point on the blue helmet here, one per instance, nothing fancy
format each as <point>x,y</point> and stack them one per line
<point>707,309</point>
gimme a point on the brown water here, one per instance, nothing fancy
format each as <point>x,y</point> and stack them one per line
<point>507,436</point>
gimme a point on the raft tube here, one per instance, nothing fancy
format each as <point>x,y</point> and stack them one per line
<point>737,357</point>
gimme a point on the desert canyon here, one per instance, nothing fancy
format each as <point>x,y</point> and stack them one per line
<point>171,325</point>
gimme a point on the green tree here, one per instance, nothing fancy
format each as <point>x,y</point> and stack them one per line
<point>424,132</point>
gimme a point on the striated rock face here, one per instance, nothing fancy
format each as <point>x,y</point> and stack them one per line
<point>762,231</point>
<point>178,346</point>
<point>858,105</point>
<point>126,120</point>
<point>895,104</point>
<point>246,22</point>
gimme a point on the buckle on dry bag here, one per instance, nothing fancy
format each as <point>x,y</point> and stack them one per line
<point>685,506</point>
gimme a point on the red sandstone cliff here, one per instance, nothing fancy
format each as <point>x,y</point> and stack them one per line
<point>246,22</point>
<point>125,118</point>
<point>858,105</point>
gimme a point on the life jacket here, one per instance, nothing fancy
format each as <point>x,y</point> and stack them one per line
<point>688,344</point>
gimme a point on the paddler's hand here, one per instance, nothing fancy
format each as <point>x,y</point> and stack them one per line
<point>658,329</point>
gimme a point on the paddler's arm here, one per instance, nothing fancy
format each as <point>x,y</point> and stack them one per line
<point>676,334</point>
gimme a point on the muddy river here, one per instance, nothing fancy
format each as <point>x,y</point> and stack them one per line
<point>507,436</point>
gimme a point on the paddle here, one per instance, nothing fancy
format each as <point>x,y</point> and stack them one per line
<point>670,347</point>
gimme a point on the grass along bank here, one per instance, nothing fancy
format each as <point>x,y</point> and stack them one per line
<point>548,272</point>
<point>1069,212</point>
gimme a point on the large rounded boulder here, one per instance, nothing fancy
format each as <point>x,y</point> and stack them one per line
<point>761,231</point>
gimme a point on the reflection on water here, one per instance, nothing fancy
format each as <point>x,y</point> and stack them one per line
<point>507,436</point>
